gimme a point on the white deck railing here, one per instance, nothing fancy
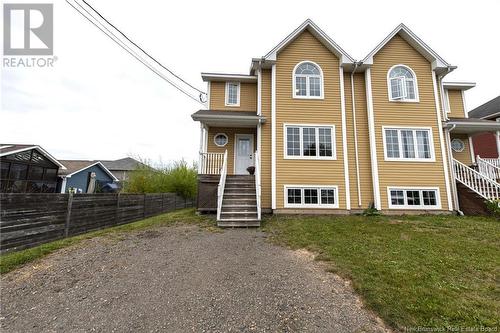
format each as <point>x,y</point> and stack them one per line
<point>257,183</point>
<point>479,183</point>
<point>222,185</point>
<point>488,167</point>
<point>211,163</point>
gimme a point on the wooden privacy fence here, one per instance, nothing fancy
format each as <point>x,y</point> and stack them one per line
<point>28,220</point>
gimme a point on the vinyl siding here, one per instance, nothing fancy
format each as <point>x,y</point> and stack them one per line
<point>365,173</point>
<point>248,97</point>
<point>465,155</point>
<point>266,140</point>
<point>230,132</point>
<point>423,113</point>
<point>308,111</point>
<point>456,104</point>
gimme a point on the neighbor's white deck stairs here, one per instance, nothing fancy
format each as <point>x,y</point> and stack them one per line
<point>484,181</point>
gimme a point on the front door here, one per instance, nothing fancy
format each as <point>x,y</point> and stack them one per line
<point>243,155</point>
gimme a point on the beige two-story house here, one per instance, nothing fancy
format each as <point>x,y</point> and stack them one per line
<point>312,130</point>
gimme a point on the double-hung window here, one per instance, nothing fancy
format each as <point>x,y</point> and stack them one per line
<point>310,142</point>
<point>311,196</point>
<point>232,94</point>
<point>411,144</point>
<point>402,84</point>
<point>414,198</point>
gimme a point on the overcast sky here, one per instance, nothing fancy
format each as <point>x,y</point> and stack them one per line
<point>98,102</point>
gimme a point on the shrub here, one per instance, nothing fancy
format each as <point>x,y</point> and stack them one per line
<point>178,178</point>
<point>371,210</point>
<point>493,207</point>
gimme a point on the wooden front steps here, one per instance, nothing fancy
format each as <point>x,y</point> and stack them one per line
<point>239,203</point>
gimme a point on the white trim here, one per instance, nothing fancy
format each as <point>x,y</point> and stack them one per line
<point>303,205</point>
<point>344,141</point>
<point>413,188</point>
<point>355,131</point>
<point>301,157</point>
<point>89,166</point>
<point>208,94</point>
<point>205,138</point>
<point>222,77</point>
<point>471,148</point>
<point>63,185</point>
<point>400,142</point>
<point>373,143</point>
<point>40,150</point>
<point>446,155</point>
<point>446,101</point>
<point>307,96</point>
<point>316,32</point>
<point>466,113</point>
<point>415,84</point>
<point>259,93</point>
<point>414,41</point>
<point>226,103</point>
<point>459,85</point>
<point>224,134</point>
<point>453,182</point>
<point>457,150</point>
<point>235,153</point>
<point>273,137</point>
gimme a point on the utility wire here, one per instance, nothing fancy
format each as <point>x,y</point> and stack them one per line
<point>132,52</point>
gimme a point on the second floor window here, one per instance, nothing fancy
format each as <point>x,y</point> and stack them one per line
<point>408,144</point>
<point>309,142</point>
<point>307,81</point>
<point>232,94</point>
<point>402,84</point>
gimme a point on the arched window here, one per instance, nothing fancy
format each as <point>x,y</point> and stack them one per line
<point>402,84</point>
<point>307,80</point>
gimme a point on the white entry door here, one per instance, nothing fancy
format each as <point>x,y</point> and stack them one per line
<point>243,155</point>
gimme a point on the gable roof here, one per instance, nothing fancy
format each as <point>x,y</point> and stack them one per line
<point>76,166</point>
<point>8,149</point>
<point>411,38</point>
<point>310,26</point>
<point>487,110</point>
<point>123,164</point>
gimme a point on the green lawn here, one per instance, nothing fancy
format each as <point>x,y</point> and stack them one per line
<point>430,271</point>
<point>13,260</point>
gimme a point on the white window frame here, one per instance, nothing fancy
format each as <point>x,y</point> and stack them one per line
<point>321,82</point>
<point>227,139</point>
<point>415,83</point>
<point>227,93</point>
<point>318,188</point>
<point>302,157</point>
<point>400,143</point>
<point>459,150</point>
<point>413,188</point>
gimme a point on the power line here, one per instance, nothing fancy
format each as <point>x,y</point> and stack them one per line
<point>132,52</point>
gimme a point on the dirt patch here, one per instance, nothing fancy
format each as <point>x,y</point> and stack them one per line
<point>181,279</point>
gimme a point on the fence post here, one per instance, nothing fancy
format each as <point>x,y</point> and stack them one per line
<point>144,207</point>
<point>163,202</point>
<point>117,212</point>
<point>68,214</point>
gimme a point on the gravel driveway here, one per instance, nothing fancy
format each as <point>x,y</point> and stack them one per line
<point>180,279</point>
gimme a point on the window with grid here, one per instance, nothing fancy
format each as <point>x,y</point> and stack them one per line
<point>311,197</point>
<point>413,198</point>
<point>309,142</point>
<point>402,84</point>
<point>232,93</point>
<point>308,81</point>
<point>408,144</point>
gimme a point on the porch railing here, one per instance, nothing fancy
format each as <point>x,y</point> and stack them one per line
<point>490,167</point>
<point>222,185</point>
<point>479,183</point>
<point>211,163</point>
<point>257,183</point>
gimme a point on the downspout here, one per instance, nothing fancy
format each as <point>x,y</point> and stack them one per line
<point>358,182</point>
<point>454,183</point>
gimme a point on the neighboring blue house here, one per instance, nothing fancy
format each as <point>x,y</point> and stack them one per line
<point>85,177</point>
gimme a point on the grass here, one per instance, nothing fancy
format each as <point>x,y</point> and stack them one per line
<point>10,261</point>
<point>428,271</point>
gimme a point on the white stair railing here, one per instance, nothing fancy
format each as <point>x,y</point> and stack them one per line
<point>494,161</point>
<point>482,185</point>
<point>222,185</point>
<point>211,163</point>
<point>488,168</point>
<point>257,183</point>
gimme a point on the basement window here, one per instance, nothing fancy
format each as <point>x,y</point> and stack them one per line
<point>301,196</point>
<point>414,198</point>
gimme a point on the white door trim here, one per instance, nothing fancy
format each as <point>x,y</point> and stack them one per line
<point>252,145</point>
